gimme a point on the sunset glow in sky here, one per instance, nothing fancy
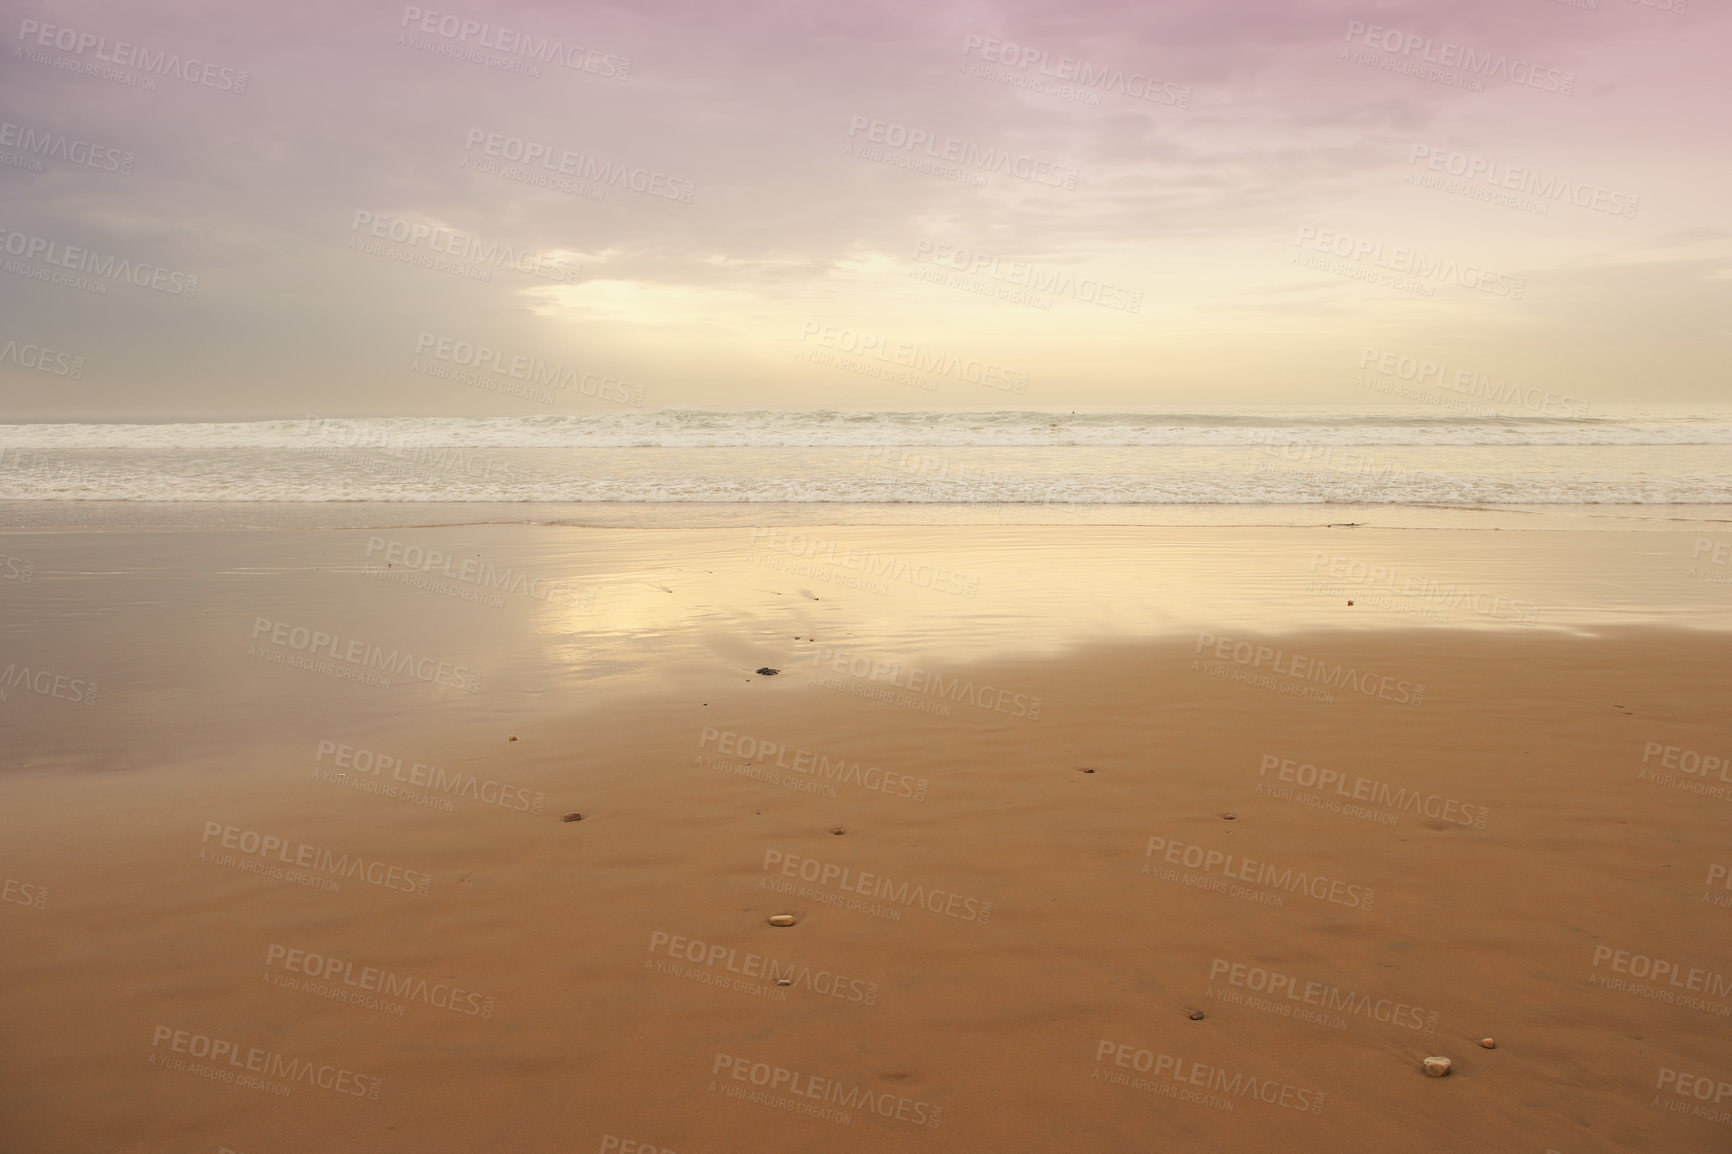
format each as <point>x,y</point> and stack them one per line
<point>234,211</point>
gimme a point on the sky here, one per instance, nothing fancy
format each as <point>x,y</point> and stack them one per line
<point>213,211</point>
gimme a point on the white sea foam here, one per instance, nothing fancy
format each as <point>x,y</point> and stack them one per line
<point>1287,457</point>
<point>692,428</point>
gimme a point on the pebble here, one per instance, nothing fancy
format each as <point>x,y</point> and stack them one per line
<point>1488,1043</point>
<point>782,920</point>
<point>511,739</point>
<point>1196,1015</point>
<point>572,817</point>
<point>766,671</point>
<point>838,831</point>
<point>1437,1067</point>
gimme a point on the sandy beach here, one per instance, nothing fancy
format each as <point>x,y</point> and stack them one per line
<point>273,909</point>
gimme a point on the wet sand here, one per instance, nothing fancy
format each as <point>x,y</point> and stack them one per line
<point>1438,832</point>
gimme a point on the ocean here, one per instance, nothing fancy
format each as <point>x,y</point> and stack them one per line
<point>1265,457</point>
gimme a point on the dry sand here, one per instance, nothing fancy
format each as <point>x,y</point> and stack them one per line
<point>1022,971</point>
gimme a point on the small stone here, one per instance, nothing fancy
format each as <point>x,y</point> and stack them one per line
<point>1437,1067</point>
<point>782,920</point>
<point>1350,603</point>
<point>838,831</point>
<point>572,817</point>
<point>1196,1015</point>
<point>1087,770</point>
<point>1488,1043</point>
<point>766,671</point>
<point>511,739</point>
<point>1229,817</point>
